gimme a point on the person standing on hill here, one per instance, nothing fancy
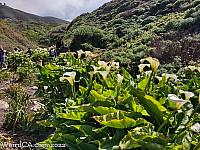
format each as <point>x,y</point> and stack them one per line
<point>2,57</point>
<point>29,52</point>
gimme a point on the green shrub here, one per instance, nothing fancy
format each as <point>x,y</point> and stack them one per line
<point>87,34</point>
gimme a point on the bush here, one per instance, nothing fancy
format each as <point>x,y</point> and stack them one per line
<point>87,34</point>
<point>17,117</point>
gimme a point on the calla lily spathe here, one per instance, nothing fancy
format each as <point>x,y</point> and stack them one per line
<point>104,74</point>
<point>119,78</point>
<point>193,68</point>
<point>170,76</point>
<point>80,52</point>
<point>142,66</point>
<point>153,62</point>
<point>102,64</point>
<point>188,94</point>
<point>179,102</point>
<point>69,76</point>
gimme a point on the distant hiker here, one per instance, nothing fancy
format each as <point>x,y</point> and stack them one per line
<point>51,53</point>
<point>2,57</point>
<point>29,52</point>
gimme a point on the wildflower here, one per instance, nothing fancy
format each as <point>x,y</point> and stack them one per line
<point>142,66</point>
<point>188,95</point>
<point>119,79</point>
<point>88,54</point>
<point>159,78</point>
<point>102,64</point>
<point>170,76</point>
<point>193,68</point>
<point>153,62</point>
<point>179,102</point>
<point>115,65</point>
<point>104,74</point>
<point>80,53</point>
<point>69,76</point>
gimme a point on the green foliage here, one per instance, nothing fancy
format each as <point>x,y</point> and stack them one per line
<point>102,109</point>
<point>87,34</point>
<point>17,117</point>
<point>136,29</point>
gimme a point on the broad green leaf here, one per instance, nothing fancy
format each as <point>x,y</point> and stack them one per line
<point>104,110</point>
<point>145,138</point>
<point>118,120</point>
<point>152,106</point>
<point>72,115</point>
<point>97,96</point>
<point>142,84</point>
<point>134,106</point>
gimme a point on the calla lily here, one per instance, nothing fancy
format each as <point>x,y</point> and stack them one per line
<point>159,78</point>
<point>188,95</point>
<point>153,61</point>
<point>88,53</point>
<point>142,66</point>
<point>69,76</point>
<point>95,68</point>
<point>104,74</point>
<point>148,72</point>
<point>172,76</point>
<point>80,52</point>
<point>179,102</point>
<point>102,64</point>
<point>115,65</point>
<point>119,78</point>
<point>194,68</point>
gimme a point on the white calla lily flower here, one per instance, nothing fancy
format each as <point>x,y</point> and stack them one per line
<point>153,62</point>
<point>175,98</point>
<point>69,76</point>
<point>188,94</point>
<point>104,74</point>
<point>115,65</point>
<point>142,66</point>
<point>88,53</point>
<point>80,52</point>
<point>172,76</point>
<point>179,102</point>
<point>95,68</point>
<point>193,68</point>
<point>159,78</point>
<point>147,73</point>
<point>102,64</point>
<point>119,78</point>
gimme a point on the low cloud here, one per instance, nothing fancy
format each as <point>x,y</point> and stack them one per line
<point>65,9</point>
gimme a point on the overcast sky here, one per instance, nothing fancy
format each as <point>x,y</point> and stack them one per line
<point>64,9</point>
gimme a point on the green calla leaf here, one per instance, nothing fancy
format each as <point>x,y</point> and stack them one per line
<point>118,120</point>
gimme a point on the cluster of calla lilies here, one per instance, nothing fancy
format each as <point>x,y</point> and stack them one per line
<point>154,63</point>
<point>104,68</point>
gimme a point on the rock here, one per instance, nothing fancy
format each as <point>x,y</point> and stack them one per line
<point>3,105</point>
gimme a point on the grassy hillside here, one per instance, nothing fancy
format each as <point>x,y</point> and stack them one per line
<point>21,29</point>
<point>14,14</point>
<point>10,37</point>
<point>127,30</point>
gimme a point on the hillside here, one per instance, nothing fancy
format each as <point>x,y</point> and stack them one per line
<point>21,29</point>
<point>11,38</point>
<point>7,12</point>
<point>127,30</point>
